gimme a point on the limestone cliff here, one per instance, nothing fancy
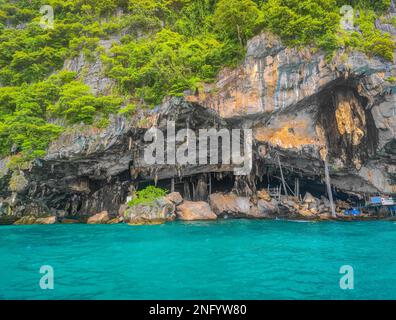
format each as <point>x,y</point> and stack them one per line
<point>302,106</point>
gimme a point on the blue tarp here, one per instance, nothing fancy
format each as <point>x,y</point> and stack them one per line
<point>352,212</point>
<point>376,200</point>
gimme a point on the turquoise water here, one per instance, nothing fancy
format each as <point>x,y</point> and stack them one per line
<point>235,259</point>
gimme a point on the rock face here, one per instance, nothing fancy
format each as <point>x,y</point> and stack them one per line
<point>385,23</point>
<point>192,211</point>
<point>91,71</point>
<point>301,107</point>
<point>274,77</point>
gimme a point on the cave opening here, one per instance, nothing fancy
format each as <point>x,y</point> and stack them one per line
<point>198,187</point>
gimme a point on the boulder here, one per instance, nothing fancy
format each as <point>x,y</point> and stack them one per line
<point>263,195</point>
<point>305,213</point>
<point>115,220</point>
<point>156,212</point>
<point>254,214</point>
<point>175,198</point>
<point>289,203</point>
<point>309,198</point>
<point>263,210</point>
<point>314,206</point>
<point>195,210</point>
<point>325,201</point>
<point>325,216</point>
<point>267,208</point>
<point>342,205</point>
<point>26,220</point>
<point>122,209</point>
<point>229,204</point>
<point>46,220</point>
<point>99,218</point>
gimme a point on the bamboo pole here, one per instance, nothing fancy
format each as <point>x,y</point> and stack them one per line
<point>329,192</point>
<point>297,187</point>
<point>283,178</point>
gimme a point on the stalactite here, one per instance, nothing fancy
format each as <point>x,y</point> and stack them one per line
<point>201,192</point>
<point>178,171</point>
<point>244,185</point>
<point>187,195</point>
<point>194,196</point>
<point>210,183</point>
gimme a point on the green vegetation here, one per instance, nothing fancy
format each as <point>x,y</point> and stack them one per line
<point>166,48</point>
<point>26,112</point>
<point>147,195</point>
<point>317,23</point>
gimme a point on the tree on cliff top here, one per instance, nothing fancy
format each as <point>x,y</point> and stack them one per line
<point>236,19</point>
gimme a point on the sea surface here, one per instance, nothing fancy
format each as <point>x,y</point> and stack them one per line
<point>230,259</point>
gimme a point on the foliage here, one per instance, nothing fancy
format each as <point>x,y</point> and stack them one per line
<point>128,110</point>
<point>237,19</point>
<point>77,104</point>
<point>391,79</point>
<point>147,195</point>
<point>165,64</point>
<point>23,127</point>
<point>25,111</point>
<point>317,23</point>
<point>370,39</point>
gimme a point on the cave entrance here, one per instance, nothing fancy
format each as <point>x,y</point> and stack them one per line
<point>198,187</point>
